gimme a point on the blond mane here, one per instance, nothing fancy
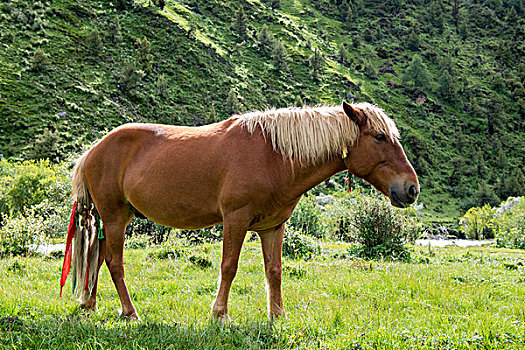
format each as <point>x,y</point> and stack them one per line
<point>315,134</point>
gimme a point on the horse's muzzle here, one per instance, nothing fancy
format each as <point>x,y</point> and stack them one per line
<point>403,196</point>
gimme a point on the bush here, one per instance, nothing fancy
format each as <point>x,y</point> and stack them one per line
<point>307,218</point>
<point>381,231</point>
<point>509,223</point>
<point>39,189</point>
<point>19,234</point>
<point>201,236</point>
<point>299,246</point>
<point>155,233</point>
<point>477,222</point>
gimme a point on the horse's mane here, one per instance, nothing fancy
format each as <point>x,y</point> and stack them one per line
<point>314,134</point>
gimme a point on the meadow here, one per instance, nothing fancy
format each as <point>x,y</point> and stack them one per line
<point>446,298</point>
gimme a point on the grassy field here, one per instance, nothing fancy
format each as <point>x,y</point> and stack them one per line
<point>447,298</point>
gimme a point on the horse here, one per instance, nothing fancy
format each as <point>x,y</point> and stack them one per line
<point>247,172</point>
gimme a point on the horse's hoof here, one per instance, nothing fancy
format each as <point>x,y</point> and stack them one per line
<point>131,317</point>
<point>223,319</point>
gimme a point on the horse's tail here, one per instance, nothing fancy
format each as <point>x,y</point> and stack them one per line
<point>87,230</point>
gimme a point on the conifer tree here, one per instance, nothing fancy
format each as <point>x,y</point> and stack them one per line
<point>114,31</point>
<point>144,56</point>
<point>370,70</point>
<point>343,54</point>
<point>162,85</point>
<point>413,41</point>
<point>316,61</point>
<point>40,61</point>
<point>349,19</point>
<point>265,37</point>
<point>233,104</point>
<point>417,74</point>
<point>94,43</point>
<point>239,23</point>
<point>280,56</point>
<point>447,88</point>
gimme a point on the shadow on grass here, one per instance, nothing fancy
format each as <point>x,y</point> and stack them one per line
<point>74,332</point>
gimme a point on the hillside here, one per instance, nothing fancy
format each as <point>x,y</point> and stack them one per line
<point>450,73</point>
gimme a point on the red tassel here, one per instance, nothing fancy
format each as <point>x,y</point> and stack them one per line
<point>66,267</point>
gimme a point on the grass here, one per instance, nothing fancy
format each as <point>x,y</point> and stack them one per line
<point>446,298</point>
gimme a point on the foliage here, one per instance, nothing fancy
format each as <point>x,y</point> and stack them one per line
<point>417,74</point>
<point>193,44</point>
<point>307,218</point>
<point>477,222</point>
<point>382,231</point>
<point>19,234</point>
<point>509,223</point>
<point>297,245</point>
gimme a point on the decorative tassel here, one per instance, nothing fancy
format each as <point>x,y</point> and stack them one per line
<point>349,182</point>
<point>66,267</point>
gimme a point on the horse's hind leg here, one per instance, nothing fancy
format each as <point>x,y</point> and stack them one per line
<point>272,246</point>
<point>114,229</point>
<point>90,303</point>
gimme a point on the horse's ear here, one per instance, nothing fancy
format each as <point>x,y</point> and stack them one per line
<point>353,114</point>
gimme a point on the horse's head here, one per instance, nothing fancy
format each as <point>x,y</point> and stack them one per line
<point>377,157</point>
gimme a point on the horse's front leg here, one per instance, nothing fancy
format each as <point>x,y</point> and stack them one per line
<point>272,246</point>
<point>234,232</point>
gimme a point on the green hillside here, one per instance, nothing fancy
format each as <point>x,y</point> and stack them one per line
<point>450,73</point>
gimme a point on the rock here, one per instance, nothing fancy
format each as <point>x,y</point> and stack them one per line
<point>323,200</point>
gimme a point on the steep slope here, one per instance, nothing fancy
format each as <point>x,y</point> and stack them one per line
<point>71,70</point>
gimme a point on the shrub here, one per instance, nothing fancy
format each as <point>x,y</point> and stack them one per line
<point>307,218</point>
<point>509,223</point>
<point>201,236</point>
<point>19,234</point>
<point>155,233</point>
<point>201,262</point>
<point>299,246</point>
<point>39,187</point>
<point>477,222</point>
<point>381,231</point>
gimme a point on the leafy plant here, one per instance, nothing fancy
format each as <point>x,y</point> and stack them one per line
<point>307,217</point>
<point>382,231</point>
<point>299,246</point>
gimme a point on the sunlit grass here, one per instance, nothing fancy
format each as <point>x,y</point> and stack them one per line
<point>446,298</point>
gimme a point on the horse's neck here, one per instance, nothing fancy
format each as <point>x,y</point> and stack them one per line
<point>307,177</point>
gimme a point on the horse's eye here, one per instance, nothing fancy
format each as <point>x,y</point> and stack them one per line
<point>381,138</point>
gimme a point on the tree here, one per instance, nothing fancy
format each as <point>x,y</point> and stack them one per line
<point>265,37</point>
<point>280,56</point>
<point>94,43</point>
<point>233,104</point>
<point>40,61</point>
<point>162,85</point>
<point>239,23</point>
<point>316,61</point>
<point>349,19</point>
<point>413,41</point>
<point>144,56</point>
<point>130,78</point>
<point>447,87</point>
<point>417,74</point>
<point>370,70</point>
<point>114,31</point>
<point>274,4</point>
<point>343,54</point>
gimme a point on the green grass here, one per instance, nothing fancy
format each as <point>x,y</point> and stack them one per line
<point>447,298</point>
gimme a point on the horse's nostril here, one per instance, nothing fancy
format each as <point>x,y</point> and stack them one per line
<point>412,191</point>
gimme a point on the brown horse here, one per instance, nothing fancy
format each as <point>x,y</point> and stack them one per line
<point>247,172</point>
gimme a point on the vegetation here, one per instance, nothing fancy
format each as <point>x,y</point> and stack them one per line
<point>446,298</point>
<point>450,73</point>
